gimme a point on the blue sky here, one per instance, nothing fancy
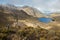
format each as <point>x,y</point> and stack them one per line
<point>45,6</point>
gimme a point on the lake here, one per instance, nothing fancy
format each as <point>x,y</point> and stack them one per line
<point>45,20</point>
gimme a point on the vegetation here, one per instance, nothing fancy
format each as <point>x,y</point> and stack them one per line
<point>8,32</point>
<point>27,33</point>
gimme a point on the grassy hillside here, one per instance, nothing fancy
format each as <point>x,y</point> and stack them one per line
<point>14,26</point>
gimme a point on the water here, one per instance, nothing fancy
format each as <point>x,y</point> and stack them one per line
<point>45,20</point>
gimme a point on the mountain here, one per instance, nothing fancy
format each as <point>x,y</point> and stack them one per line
<point>18,24</point>
<point>15,15</point>
<point>29,10</point>
<point>32,11</point>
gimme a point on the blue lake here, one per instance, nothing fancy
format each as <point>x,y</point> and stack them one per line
<point>45,20</point>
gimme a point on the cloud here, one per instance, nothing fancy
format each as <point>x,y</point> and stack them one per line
<point>19,2</point>
<point>12,1</point>
<point>48,5</point>
<point>43,5</point>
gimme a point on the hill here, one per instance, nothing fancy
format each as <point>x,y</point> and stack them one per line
<point>18,24</point>
<point>32,11</point>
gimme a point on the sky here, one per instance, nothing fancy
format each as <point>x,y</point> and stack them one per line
<point>45,6</point>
